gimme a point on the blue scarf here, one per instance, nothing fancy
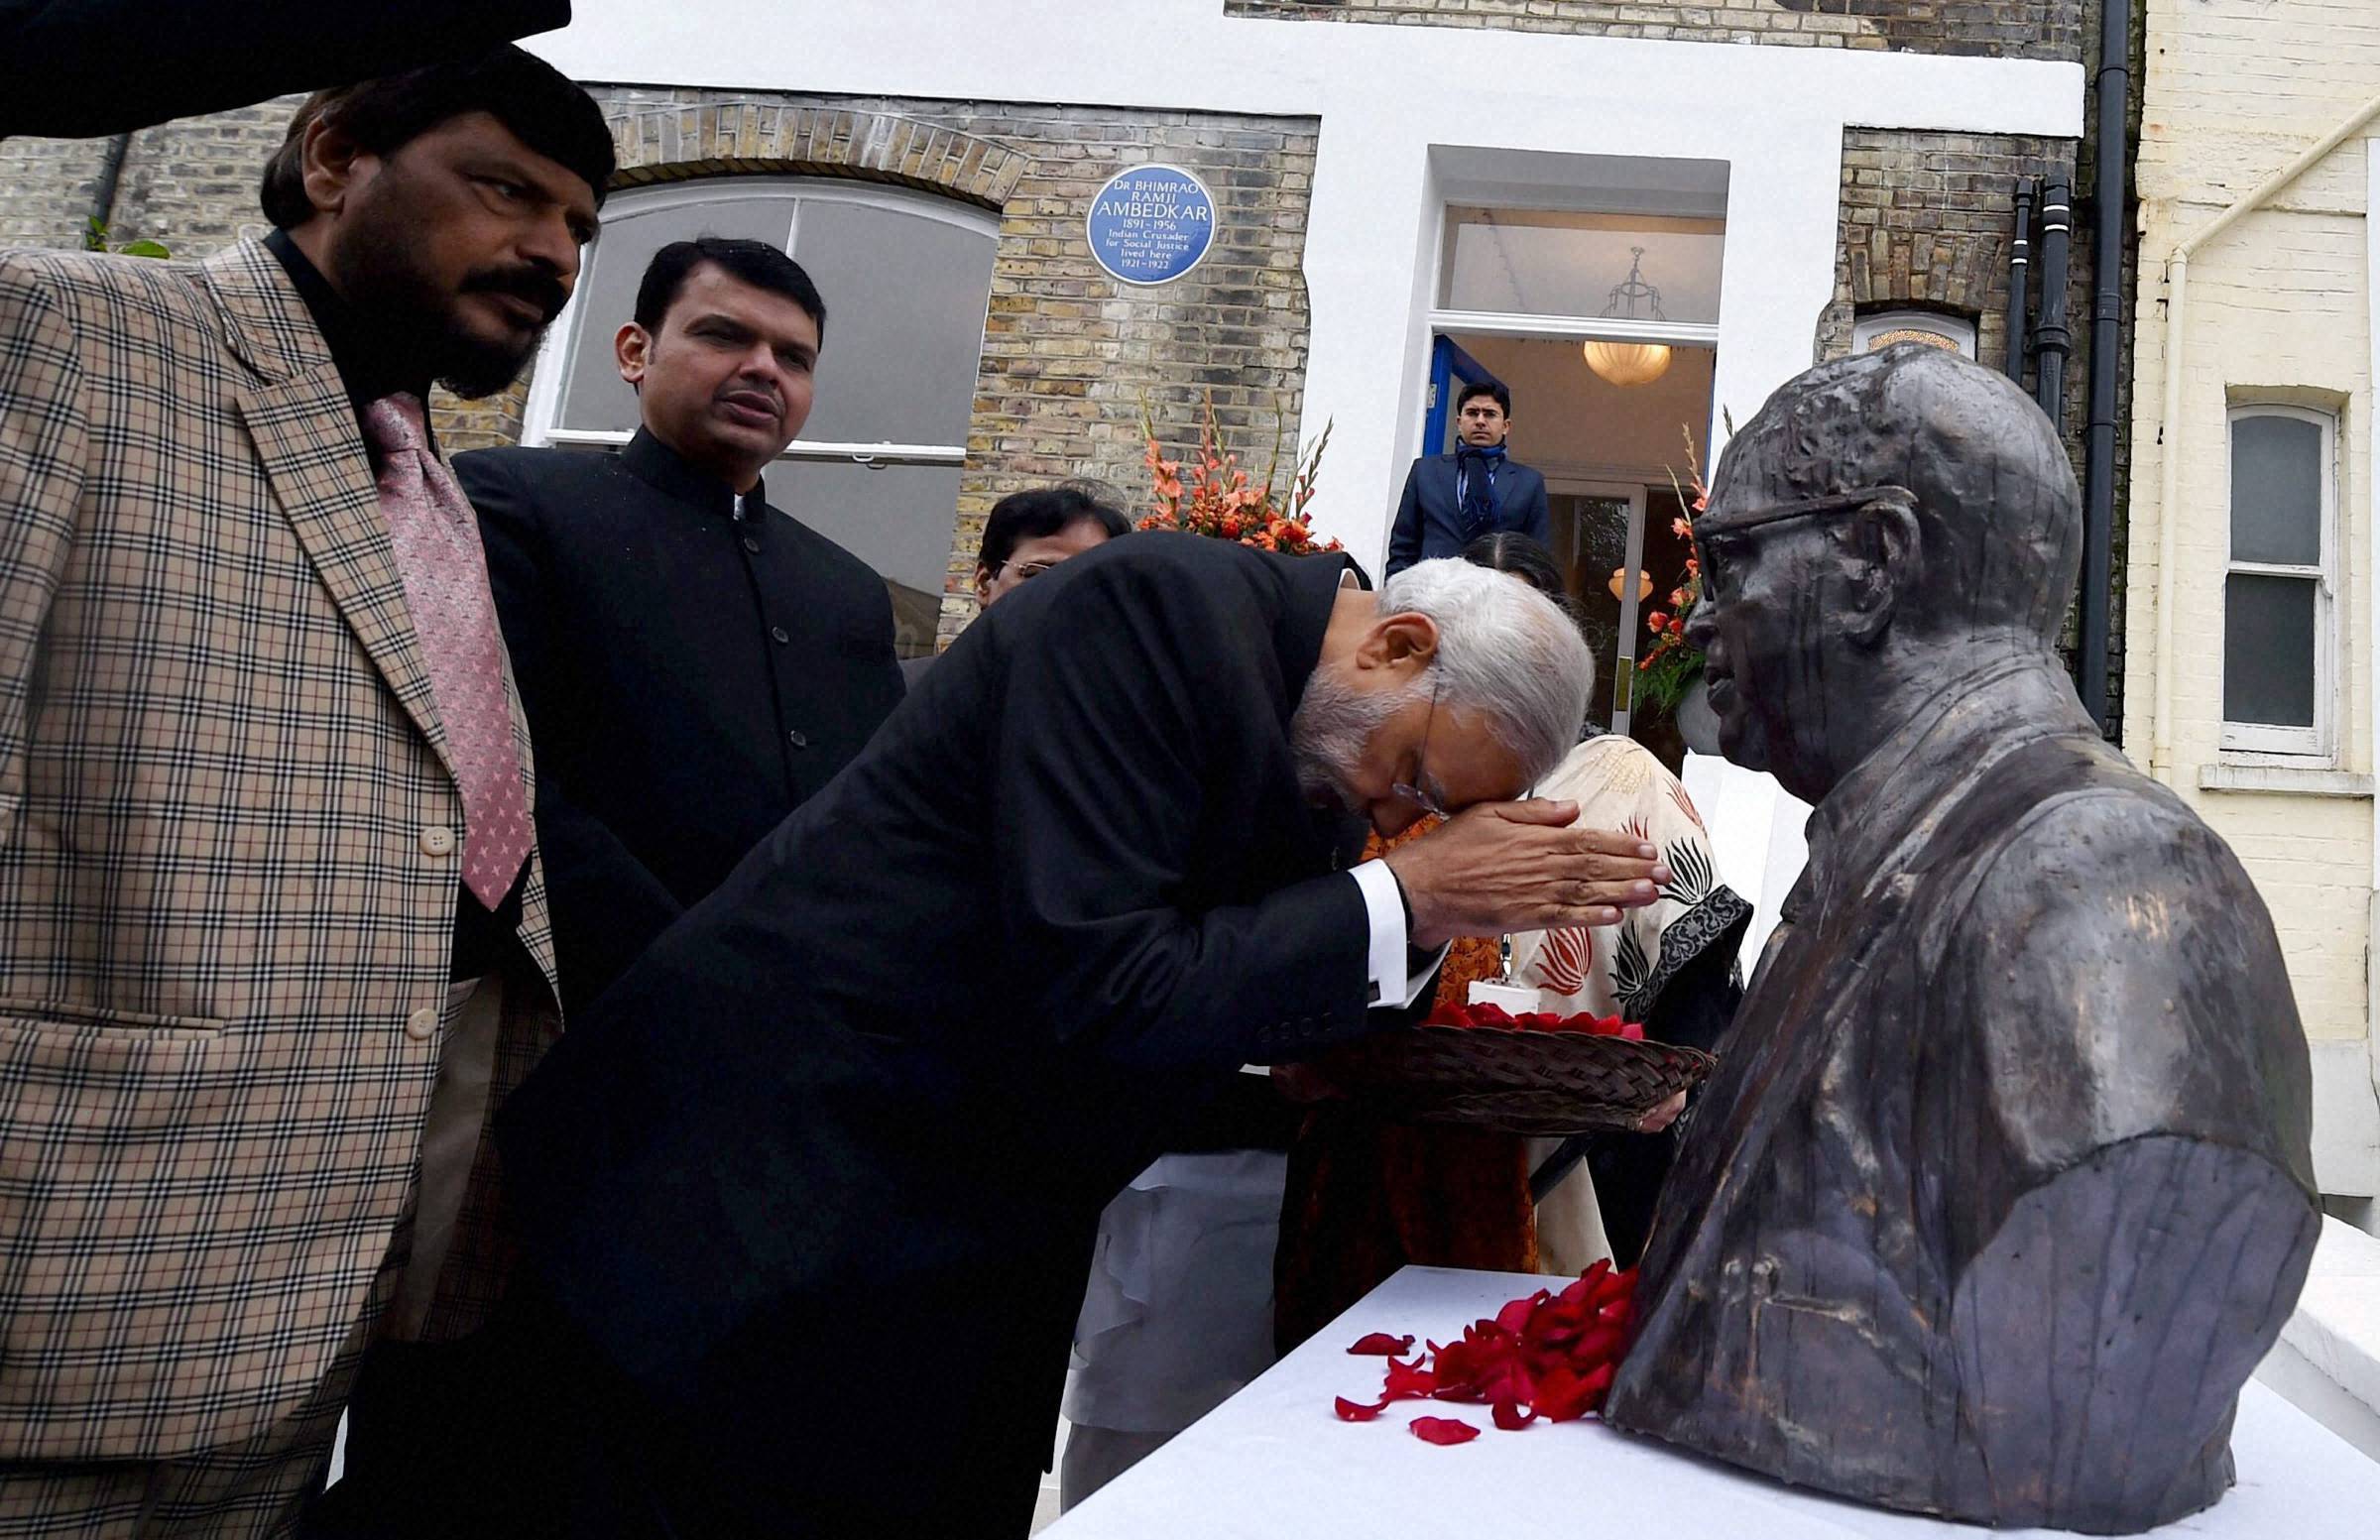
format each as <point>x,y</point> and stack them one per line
<point>1474,474</point>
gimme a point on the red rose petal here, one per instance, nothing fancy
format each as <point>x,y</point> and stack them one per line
<point>1562,1397</point>
<point>1443,1430</point>
<point>1383,1343</point>
<point>1357,1411</point>
<point>1516,1315</point>
<point>1511,1418</point>
<point>1404,1380</point>
<point>1601,1346</point>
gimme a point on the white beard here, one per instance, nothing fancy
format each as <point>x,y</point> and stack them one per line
<point>1332,727</point>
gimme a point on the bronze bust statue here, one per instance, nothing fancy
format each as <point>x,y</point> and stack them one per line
<point>2003,1187</point>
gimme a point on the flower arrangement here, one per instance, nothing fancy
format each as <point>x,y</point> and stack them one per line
<point>1669,670</point>
<point>1217,499</point>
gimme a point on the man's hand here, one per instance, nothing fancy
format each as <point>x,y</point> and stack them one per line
<point>1663,1115</point>
<point>1504,867</point>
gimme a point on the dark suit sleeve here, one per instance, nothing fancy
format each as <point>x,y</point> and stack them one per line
<point>607,907</point>
<point>76,68</point>
<point>1405,536</point>
<point>1100,790</point>
<point>1535,522</point>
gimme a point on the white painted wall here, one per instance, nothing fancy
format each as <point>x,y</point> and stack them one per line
<point>1386,95</point>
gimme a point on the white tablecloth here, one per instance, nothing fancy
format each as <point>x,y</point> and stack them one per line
<point>1274,1461</point>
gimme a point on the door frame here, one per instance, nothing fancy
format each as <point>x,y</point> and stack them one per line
<point>1623,664</point>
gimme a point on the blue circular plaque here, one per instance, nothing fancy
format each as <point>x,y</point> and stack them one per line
<point>1151,224</point>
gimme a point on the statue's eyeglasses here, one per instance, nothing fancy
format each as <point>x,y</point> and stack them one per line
<point>1713,544</point>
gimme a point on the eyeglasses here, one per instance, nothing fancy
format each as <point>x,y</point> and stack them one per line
<point>1413,793</point>
<point>1024,569</point>
<point>1711,545</point>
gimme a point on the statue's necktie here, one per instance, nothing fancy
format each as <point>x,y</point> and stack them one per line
<point>436,538</point>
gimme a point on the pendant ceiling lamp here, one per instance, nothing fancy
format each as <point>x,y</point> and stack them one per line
<point>1620,585</point>
<point>1626,364</point>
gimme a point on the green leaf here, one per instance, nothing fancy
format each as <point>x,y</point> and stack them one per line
<point>142,248</point>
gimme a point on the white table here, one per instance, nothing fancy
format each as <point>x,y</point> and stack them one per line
<point>1274,1461</point>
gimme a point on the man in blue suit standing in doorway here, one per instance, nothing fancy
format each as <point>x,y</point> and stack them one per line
<point>1453,499</point>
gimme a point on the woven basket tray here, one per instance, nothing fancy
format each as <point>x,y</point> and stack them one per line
<point>1515,1082</point>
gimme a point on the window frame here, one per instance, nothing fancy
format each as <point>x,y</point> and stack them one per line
<point>2265,742</point>
<point>1958,331</point>
<point>557,355</point>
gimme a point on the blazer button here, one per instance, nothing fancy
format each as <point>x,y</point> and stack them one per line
<point>421,1025</point>
<point>798,738</point>
<point>752,544</point>
<point>779,633</point>
<point>437,839</point>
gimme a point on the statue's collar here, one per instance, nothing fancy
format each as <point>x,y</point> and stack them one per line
<point>1977,720</point>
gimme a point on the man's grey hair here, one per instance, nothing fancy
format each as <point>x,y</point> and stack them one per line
<point>1505,651</point>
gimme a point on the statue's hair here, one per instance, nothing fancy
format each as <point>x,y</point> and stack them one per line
<point>2000,518</point>
<point>1505,651</point>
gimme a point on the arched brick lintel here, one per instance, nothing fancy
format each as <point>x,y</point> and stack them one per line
<point>677,143</point>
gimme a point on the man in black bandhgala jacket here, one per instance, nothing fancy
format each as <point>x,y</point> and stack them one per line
<point>810,1192</point>
<point>693,661</point>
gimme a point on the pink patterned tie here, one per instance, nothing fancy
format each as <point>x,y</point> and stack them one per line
<point>437,536</point>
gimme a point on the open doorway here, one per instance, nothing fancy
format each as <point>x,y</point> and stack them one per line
<point>1609,454</point>
<point>1589,285</point>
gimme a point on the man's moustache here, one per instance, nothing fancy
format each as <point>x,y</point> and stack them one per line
<point>542,290</point>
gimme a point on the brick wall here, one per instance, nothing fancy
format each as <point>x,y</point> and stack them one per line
<point>1927,225</point>
<point>2010,29</point>
<point>47,188</point>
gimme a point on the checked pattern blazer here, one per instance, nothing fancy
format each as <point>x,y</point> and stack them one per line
<point>229,843</point>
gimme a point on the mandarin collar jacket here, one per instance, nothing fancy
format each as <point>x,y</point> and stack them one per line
<point>692,670</point>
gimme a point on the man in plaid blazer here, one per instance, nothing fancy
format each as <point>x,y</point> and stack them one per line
<point>252,1022</point>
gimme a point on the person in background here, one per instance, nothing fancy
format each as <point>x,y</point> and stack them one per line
<point>1028,533</point>
<point>1366,1196</point>
<point>695,661</point>
<point>273,931</point>
<point>1454,499</point>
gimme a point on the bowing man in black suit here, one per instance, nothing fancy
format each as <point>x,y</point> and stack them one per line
<point>1478,490</point>
<point>810,1193</point>
<point>694,663</point>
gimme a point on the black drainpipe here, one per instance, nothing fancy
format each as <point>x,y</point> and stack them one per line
<point>2020,272</point>
<point>2114,85</point>
<point>111,175</point>
<point>2052,341</point>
